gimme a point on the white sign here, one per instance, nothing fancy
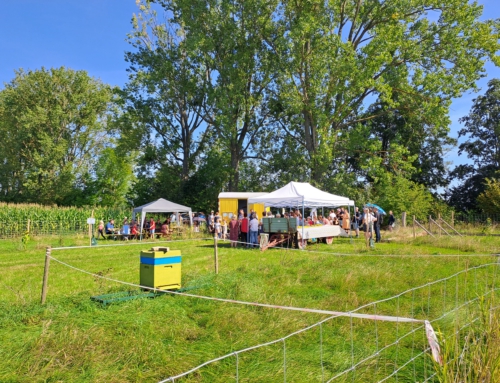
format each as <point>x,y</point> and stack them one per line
<point>91,221</point>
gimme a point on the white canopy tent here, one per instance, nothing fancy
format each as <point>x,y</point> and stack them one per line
<point>301,194</point>
<point>162,206</point>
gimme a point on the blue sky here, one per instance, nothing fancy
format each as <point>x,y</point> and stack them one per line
<point>91,35</point>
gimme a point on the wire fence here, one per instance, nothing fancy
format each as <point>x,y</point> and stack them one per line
<point>350,349</point>
<point>465,224</point>
<point>17,229</point>
<point>384,341</point>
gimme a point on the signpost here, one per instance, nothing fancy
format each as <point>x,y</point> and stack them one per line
<point>90,222</point>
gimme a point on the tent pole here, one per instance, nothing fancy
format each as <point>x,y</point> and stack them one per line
<point>350,222</point>
<point>303,221</point>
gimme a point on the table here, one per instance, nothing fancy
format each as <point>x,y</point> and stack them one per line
<point>324,231</point>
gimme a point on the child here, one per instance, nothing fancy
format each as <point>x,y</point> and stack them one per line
<point>100,229</point>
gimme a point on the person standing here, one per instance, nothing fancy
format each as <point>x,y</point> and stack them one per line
<point>368,220</point>
<point>346,222</point>
<point>378,221</point>
<point>357,221</point>
<point>241,215</point>
<point>254,231</point>
<point>340,216</point>
<point>244,230</point>
<point>100,229</point>
<point>152,227</point>
<point>392,220</point>
<point>234,231</point>
<point>261,222</point>
<point>224,227</point>
<point>211,222</point>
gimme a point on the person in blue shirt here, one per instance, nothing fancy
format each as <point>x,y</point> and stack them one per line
<point>125,229</point>
<point>110,226</point>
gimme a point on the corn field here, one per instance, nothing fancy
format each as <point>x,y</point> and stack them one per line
<point>17,219</point>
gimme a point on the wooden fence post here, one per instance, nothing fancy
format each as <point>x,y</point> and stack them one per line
<point>453,218</point>
<point>414,232</point>
<point>46,273</point>
<point>439,219</point>
<point>403,219</point>
<point>430,218</point>
<point>216,255</point>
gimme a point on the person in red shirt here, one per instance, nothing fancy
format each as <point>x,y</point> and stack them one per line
<point>133,230</point>
<point>244,230</point>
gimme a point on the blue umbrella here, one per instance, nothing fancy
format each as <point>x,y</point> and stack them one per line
<point>380,210</point>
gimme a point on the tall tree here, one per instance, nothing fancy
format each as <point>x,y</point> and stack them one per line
<point>227,37</point>
<point>53,124</point>
<point>339,57</point>
<point>427,139</point>
<point>164,99</point>
<point>482,147</point>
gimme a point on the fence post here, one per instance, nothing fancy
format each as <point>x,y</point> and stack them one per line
<point>46,273</point>
<point>403,219</point>
<point>414,231</point>
<point>430,218</point>
<point>28,227</point>
<point>216,255</point>
<point>453,218</point>
<point>439,218</point>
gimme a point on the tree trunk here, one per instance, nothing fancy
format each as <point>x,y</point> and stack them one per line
<point>234,179</point>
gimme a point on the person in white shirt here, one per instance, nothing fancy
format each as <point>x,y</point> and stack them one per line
<point>368,221</point>
<point>254,231</point>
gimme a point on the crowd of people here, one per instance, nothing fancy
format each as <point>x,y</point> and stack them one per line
<point>245,228</point>
<point>130,229</point>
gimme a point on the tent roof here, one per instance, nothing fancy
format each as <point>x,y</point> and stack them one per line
<point>297,194</point>
<point>162,206</point>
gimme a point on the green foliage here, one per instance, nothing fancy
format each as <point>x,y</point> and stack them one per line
<point>336,59</point>
<point>489,200</point>
<point>403,195</point>
<point>46,219</point>
<point>54,124</point>
<point>482,147</point>
<point>473,354</point>
<point>165,98</point>
<point>113,178</point>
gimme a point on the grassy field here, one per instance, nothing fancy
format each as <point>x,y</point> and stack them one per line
<point>73,339</point>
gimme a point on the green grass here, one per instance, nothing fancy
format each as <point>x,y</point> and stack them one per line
<point>72,339</point>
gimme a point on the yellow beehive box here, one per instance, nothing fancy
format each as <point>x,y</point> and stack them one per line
<point>161,269</point>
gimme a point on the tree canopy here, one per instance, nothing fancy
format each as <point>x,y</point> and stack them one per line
<point>54,124</point>
<point>230,95</point>
<point>482,147</point>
